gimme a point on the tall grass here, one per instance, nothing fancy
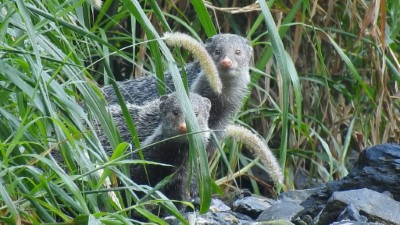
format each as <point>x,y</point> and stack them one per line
<point>339,95</point>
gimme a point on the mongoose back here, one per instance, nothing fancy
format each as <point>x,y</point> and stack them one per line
<point>173,151</point>
<point>231,54</point>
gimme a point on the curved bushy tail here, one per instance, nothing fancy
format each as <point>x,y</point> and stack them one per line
<point>258,149</point>
<point>200,54</point>
<point>95,3</point>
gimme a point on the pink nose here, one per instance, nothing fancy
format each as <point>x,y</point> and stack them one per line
<point>182,128</point>
<point>226,62</point>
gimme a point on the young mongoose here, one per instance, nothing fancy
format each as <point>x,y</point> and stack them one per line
<point>174,151</point>
<point>146,117</point>
<point>156,121</point>
<point>231,54</point>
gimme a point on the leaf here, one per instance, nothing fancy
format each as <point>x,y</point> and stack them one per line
<point>9,203</point>
<point>204,17</point>
<point>197,147</point>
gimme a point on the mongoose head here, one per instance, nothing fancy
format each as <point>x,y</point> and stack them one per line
<point>231,53</point>
<point>172,118</point>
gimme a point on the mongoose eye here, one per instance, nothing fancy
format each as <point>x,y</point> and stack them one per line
<point>196,113</point>
<point>175,112</point>
<point>217,52</point>
<point>238,52</point>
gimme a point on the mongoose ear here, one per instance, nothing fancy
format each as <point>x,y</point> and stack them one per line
<point>210,39</point>
<point>162,102</point>
<point>164,98</point>
<point>250,51</point>
<point>208,42</point>
<point>207,104</point>
<point>250,48</point>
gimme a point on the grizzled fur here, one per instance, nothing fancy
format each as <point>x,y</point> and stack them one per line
<point>235,79</point>
<point>140,115</point>
<point>174,151</point>
<point>147,117</point>
<point>144,89</point>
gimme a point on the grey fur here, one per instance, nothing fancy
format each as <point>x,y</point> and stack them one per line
<point>147,117</point>
<point>166,112</point>
<point>234,80</point>
<point>144,89</point>
<point>174,151</point>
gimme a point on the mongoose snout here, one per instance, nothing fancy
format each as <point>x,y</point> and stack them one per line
<point>226,63</point>
<point>182,128</point>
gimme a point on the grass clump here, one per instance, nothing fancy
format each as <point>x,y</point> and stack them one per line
<point>324,86</point>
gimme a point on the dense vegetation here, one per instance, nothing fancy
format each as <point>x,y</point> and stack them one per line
<point>334,93</point>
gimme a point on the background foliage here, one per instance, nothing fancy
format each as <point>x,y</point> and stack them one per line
<point>339,96</point>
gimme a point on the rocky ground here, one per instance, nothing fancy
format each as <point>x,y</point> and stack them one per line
<point>369,194</point>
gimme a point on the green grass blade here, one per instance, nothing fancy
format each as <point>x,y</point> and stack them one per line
<point>30,30</point>
<point>160,15</point>
<point>127,116</point>
<point>296,88</point>
<point>197,147</point>
<point>281,59</point>
<point>10,205</point>
<point>78,30</point>
<point>351,66</point>
<point>204,17</point>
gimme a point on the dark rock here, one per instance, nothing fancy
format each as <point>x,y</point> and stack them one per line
<point>274,222</point>
<point>312,196</point>
<point>306,219</point>
<point>378,169</point>
<point>220,218</point>
<point>318,198</point>
<point>242,217</point>
<point>300,196</point>
<point>218,206</point>
<point>375,206</point>
<point>252,206</point>
<point>191,217</point>
<point>231,197</point>
<point>281,211</point>
<point>343,202</point>
<point>226,218</point>
<point>354,223</point>
<point>351,214</point>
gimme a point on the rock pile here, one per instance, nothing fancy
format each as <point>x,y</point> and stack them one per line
<point>368,195</point>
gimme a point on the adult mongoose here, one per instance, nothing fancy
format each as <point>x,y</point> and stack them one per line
<point>232,55</point>
<point>165,147</point>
